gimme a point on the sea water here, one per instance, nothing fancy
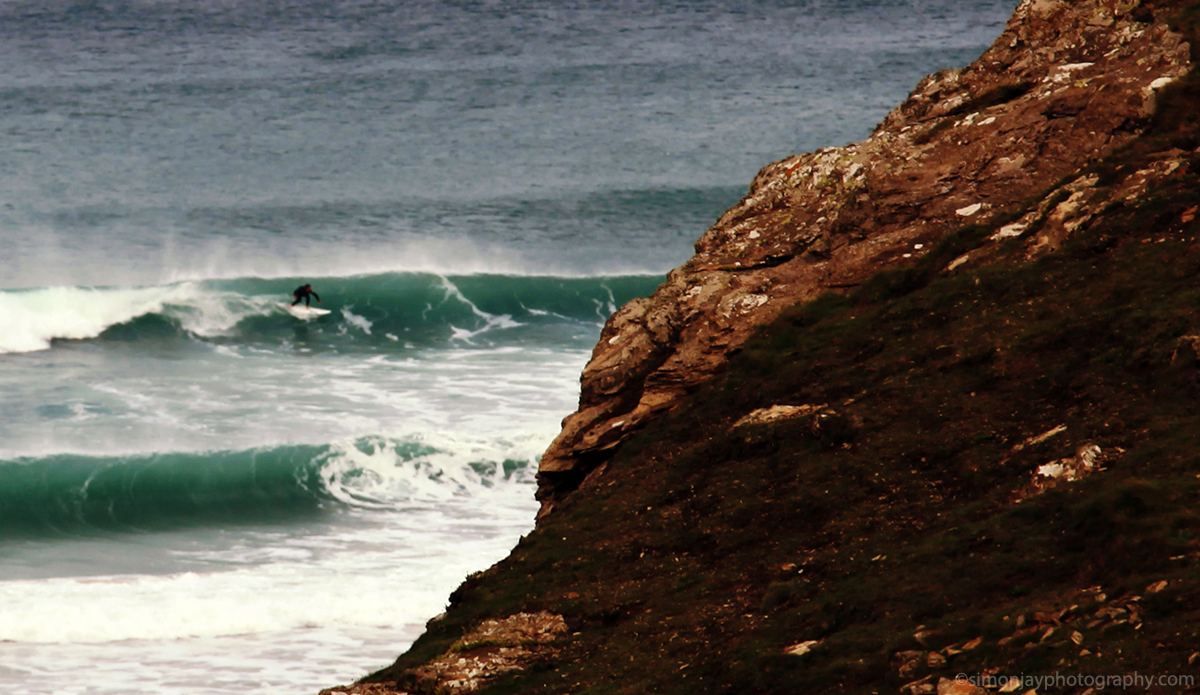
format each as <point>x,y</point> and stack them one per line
<point>200,493</point>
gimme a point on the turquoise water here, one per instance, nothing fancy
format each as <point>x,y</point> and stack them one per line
<point>200,493</point>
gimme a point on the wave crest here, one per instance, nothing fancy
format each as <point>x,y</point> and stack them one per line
<point>31,319</point>
<point>409,309</point>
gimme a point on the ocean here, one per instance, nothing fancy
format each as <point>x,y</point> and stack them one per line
<point>202,494</point>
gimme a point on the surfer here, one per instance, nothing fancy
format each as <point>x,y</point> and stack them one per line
<point>304,292</point>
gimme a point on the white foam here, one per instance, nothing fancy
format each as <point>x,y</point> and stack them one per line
<point>31,319</point>
<point>284,663</point>
<point>490,321</point>
<point>283,595</point>
<point>378,472</point>
<point>423,522</point>
<point>359,322</point>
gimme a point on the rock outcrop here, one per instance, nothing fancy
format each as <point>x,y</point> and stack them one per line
<point>491,649</point>
<point>1065,84</point>
<point>928,490</point>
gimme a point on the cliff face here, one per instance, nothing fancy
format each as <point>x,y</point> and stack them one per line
<point>1065,84</point>
<point>975,456</point>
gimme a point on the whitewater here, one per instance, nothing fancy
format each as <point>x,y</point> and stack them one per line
<point>202,494</point>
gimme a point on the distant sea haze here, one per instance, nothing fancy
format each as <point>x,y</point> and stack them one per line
<point>199,492</point>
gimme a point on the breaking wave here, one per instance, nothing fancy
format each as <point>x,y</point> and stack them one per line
<point>70,493</point>
<point>408,309</point>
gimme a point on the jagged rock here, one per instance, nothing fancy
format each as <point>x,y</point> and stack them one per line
<point>362,689</point>
<point>1082,465</point>
<point>920,687</point>
<point>906,663</point>
<point>1063,85</point>
<point>802,648</point>
<point>777,412</point>
<point>492,648</point>
<point>903,657</point>
<point>958,686</point>
<point>1041,437</point>
<point>923,636</point>
<point>1088,459</point>
<point>1156,587</point>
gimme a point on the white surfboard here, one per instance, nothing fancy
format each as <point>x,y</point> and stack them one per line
<point>303,312</point>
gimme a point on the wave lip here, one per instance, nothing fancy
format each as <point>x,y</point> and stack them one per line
<point>31,319</point>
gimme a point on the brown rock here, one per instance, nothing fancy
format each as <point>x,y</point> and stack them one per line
<point>802,648</point>
<point>363,689</point>
<point>490,649</point>
<point>777,412</point>
<point>958,686</point>
<point>904,657</point>
<point>1062,86</point>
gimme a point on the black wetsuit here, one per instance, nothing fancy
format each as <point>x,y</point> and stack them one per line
<point>304,292</point>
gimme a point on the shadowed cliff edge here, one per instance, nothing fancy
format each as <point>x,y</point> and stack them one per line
<point>919,406</point>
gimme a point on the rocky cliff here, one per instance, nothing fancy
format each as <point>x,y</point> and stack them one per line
<point>917,417</point>
<point>1066,84</point>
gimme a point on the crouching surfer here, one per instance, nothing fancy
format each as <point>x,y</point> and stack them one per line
<point>304,292</point>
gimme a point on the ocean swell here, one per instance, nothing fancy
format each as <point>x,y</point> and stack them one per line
<point>71,493</point>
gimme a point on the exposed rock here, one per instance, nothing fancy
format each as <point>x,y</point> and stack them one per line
<point>1041,437</point>
<point>802,648</point>
<point>921,687</point>
<point>923,636</point>
<point>906,663</point>
<point>1063,85</point>
<point>362,689</point>
<point>958,686</point>
<point>1083,464</point>
<point>490,649</point>
<point>777,412</point>
<point>1088,459</point>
